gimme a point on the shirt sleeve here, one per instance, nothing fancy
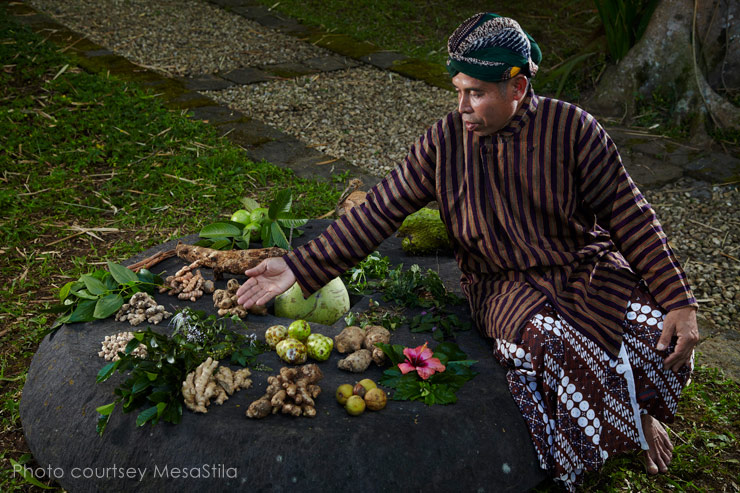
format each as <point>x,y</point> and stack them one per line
<point>349,239</point>
<point>620,208</point>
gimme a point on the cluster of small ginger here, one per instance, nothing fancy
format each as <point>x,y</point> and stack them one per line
<point>186,284</point>
<point>142,308</point>
<point>292,392</point>
<point>361,343</point>
<point>205,383</point>
<point>116,343</point>
<point>225,300</point>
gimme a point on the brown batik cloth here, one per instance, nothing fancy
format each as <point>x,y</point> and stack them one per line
<point>582,406</point>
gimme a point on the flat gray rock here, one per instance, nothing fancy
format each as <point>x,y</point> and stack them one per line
<point>479,444</point>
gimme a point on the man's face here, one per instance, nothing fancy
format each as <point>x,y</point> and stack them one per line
<point>484,107</point>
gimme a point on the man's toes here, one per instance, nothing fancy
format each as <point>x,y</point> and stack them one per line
<point>650,466</point>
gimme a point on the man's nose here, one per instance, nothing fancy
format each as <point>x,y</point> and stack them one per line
<point>463,104</point>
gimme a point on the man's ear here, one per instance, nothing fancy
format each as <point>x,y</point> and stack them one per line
<point>520,84</point>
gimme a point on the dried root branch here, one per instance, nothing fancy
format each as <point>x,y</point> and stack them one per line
<point>292,391</point>
<point>231,261</point>
<point>207,383</point>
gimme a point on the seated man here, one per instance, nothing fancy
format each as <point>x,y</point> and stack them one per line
<point>563,261</point>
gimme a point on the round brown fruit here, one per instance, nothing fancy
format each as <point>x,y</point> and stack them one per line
<point>358,389</point>
<point>355,405</point>
<point>375,399</point>
<point>344,392</point>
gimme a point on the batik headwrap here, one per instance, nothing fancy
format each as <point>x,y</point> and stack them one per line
<point>492,48</point>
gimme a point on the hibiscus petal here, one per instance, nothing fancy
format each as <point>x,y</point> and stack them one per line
<point>424,372</point>
<point>406,367</point>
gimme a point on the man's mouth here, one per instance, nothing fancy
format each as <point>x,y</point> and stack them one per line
<point>470,126</point>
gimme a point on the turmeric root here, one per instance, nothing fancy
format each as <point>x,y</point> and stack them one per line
<point>231,261</point>
<point>292,392</point>
<point>186,284</point>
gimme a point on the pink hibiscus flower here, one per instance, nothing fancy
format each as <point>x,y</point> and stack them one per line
<point>421,360</point>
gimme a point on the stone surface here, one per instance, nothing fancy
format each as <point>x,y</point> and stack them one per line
<point>205,82</point>
<point>247,76</point>
<point>479,444</point>
<point>383,59</point>
<point>215,114</point>
<point>288,70</point>
<point>330,63</point>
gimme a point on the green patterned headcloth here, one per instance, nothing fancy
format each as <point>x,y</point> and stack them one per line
<point>492,48</point>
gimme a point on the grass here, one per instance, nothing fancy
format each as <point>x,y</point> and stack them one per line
<point>85,151</point>
<point>82,152</point>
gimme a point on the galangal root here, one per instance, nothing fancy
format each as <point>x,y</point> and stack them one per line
<point>206,383</point>
<point>292,392</point>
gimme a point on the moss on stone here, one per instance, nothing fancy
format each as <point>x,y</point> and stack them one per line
<point>428,72</point>
<point>341,43</point>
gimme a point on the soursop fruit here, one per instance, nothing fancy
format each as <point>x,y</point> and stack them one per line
<point>424,233</point>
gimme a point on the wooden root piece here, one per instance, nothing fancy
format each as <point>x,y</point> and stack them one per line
<point>231,261</point>
<point>292,391</point>
<point>150,262</point>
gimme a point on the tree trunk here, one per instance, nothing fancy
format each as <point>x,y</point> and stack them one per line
<point>662,64</point>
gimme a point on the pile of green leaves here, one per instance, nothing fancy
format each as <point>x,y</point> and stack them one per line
<point>439,388</point>
<point>268,227</point>
<point>365,277</point>
<point>155,381</point>
<point>101,293</point>
<point>389,317</point>
<point>439,322</point>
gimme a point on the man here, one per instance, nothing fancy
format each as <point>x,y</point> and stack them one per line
<point>563,262</point>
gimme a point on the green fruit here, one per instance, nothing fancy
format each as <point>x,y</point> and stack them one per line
<point>367,384</point>
<point>275,334</point>
<point>325,306</point>
<point>344,392</point>
<point>258,215</point>
<point>292,351</point>
<point>375,399</point>
<point>355,405</point>
<point>319,347</point>
<point>241,216</point>
<point>299,329</point>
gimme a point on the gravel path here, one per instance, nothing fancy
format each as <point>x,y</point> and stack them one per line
<point>370,117</point>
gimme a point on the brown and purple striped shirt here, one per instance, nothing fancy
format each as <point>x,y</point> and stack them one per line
<point>541,211</point>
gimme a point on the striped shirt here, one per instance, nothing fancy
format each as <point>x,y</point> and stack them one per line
<point>541,211</point>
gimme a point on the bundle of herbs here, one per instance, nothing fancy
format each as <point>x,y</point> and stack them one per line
<point>101,293</point>
<point>156,380</point>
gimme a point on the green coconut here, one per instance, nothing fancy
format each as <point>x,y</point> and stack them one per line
<point>325,306</point>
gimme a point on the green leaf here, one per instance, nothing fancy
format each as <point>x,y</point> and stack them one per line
<point>106,371</point>
<point>140,384</point>
<point>250,204</point>
<point>394,352</point>
<point>204,242</point>
<point>278,237</point>
<point>108,305</point>
<point>132,344</point>
<point>27,475</point>
<point>146,415</point>
<point>84,294</point>
<point>94,286</point>
<point>160,408</point>
<point>282,203</point>
<point>220,230</point>
<point>121,274</point>
<point>148,277</point>
<point>222,244</point>
<point>265,234</point>
<point>84,312</point>
<point>102,423</point>
<point>64,290</point>
<point>160,396</point>
<point>152,376</point>
<point>451,350</point>
<point>106,409</point>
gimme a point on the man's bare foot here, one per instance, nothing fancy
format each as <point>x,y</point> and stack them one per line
<point>658,457</point>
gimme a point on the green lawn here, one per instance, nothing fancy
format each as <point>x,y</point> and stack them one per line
<point>85,151</point>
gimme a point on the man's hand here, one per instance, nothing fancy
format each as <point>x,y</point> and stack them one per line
<point>681,323</point>
<point>268,279</point>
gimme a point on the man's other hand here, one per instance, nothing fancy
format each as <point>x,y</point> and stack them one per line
<point>681,323</point>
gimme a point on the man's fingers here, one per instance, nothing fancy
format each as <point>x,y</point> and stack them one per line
<point>666,335</point>
<point>257,269</point>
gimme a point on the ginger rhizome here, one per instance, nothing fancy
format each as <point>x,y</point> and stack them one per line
<point>225,300</point>
<point>142,308</point>
<point>292,391</point>
<point>210,381</point>
<point>188,283</point>
<point>361,344</point>
<point>116,343</point>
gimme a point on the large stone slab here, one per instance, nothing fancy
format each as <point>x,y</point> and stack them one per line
<point>479,444</point>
